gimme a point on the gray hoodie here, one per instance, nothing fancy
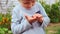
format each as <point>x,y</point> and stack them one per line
<point>20,25</point>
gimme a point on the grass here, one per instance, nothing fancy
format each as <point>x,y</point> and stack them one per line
<point>53,29</point>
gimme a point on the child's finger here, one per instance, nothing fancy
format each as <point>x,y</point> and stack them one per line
<point>34,18</point>
<point>39,16</point>
<point>35,15</point>
<point>26,16</point>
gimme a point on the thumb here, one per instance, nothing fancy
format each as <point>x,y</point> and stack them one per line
<point>26,16</point>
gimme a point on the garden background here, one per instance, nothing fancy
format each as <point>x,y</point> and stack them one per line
<point>52,9</point>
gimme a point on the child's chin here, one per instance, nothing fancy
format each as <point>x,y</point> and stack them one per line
<point>28,8</point>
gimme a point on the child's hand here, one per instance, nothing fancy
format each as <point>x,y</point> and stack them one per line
<point>30,19</point>
<point>39,17</point>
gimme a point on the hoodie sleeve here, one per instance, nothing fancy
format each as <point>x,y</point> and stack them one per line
<point>45,17</point>
<point>15,26</point>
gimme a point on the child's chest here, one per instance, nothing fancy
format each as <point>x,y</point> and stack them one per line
<point>29,12</point>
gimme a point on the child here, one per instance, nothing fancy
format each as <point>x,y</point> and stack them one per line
<point>29,17</point>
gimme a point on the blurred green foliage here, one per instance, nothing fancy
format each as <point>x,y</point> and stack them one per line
<point>5,21</point>
<point>52,11</point>
<point>5,31</point>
